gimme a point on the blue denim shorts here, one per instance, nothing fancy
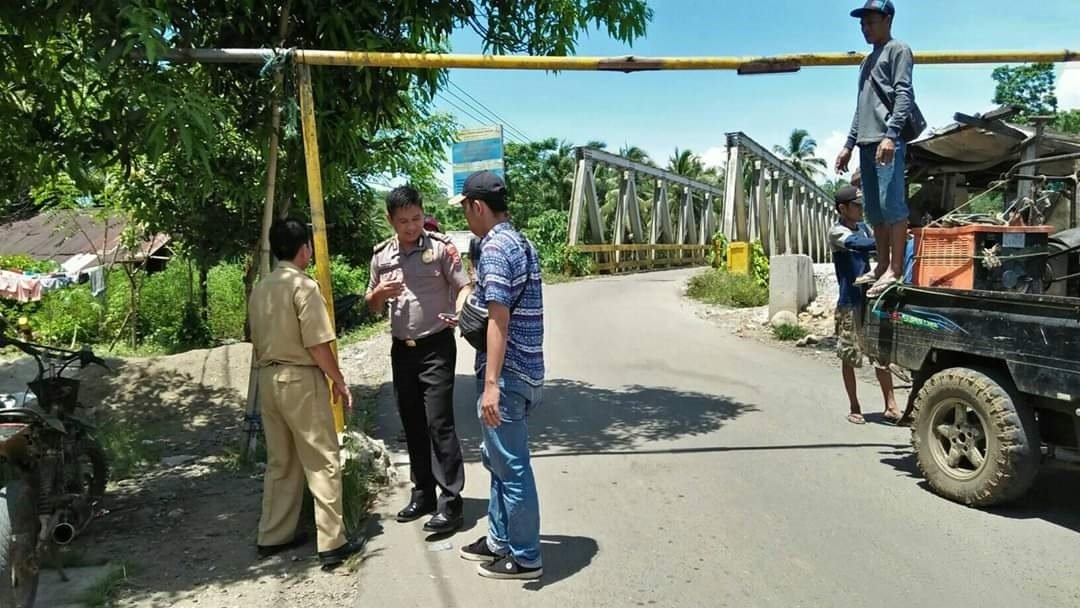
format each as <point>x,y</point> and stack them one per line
<point>884,191</point>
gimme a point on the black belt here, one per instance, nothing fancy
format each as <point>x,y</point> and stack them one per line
<point>435,337</point>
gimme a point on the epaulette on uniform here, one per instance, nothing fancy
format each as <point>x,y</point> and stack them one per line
<point>442,238</point>
<point>382,245</point>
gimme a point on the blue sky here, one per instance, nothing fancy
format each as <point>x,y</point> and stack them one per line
<point>661,110</point>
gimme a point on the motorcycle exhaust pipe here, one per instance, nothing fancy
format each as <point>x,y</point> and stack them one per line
<point>63,533</point>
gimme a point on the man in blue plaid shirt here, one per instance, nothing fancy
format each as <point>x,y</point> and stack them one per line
<point>510,379</point>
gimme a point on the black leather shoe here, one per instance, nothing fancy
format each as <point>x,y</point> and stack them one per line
<point>443,523</point>
<point>266,551</point>
<point>415,510</point>
<point>330,559</point>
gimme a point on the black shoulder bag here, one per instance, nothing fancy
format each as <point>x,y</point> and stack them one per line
<point>473,320</point>
<point>915,123</point>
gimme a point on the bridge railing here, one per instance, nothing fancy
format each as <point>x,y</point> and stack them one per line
<point>777,205</point>
<point>763,199</point>
<point>682,216</point>
<point>634,258</point>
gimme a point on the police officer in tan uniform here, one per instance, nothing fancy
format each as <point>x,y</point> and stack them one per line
<point>291,334</point>
<point>419,274</point>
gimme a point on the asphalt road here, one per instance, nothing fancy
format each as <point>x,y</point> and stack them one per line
<point>679,465</point>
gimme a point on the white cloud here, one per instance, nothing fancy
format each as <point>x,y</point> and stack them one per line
<point>715,156</point>
<point>1068,88</point>
<point>829,149</point>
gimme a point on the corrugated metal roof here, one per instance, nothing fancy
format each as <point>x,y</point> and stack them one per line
<point>58,235</point>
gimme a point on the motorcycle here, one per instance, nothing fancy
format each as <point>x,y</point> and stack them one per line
<point>54,470</point>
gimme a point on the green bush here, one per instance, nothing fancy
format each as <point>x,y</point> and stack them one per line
<point>759,264</point>
<point>787,332</point>
<point>344,277</point>
<point>549,232</point>
<point>68,315</point>
<point>26,263</point>
<point>161,304</point>
<point>719,242</point>
<point>719,287</point>
<point>225,297</point>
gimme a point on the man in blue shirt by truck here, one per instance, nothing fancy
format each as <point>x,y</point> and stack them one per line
<point>851,244</point>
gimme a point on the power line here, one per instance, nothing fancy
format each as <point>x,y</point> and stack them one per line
<point>517,135</point>
<point>480,120</point>
<point>469,112</point>
<point>490,111</point>
<point>462,110</point>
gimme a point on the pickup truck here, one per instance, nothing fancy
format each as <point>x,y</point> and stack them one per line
<point>995,383</point>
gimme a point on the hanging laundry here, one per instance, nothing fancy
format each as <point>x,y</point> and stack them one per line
<point>29,289</point>
<point>9,284</point>
<point>97,280</point>
<point>53,282</point>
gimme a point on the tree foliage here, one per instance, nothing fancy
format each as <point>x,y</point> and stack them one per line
<point>83,93</point>
<point>801,154</point>
<point>1027,87</point>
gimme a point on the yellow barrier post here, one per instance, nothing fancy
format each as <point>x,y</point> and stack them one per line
<point>738,256</point>
<point>318,215</point>
<point>625,63</point>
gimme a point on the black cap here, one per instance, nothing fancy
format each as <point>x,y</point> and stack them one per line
<point>482,185</point>
<point>847,194</point>
<point>884,7</point>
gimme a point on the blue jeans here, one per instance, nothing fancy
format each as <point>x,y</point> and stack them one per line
<point>514,507</point>
<point>884,193</point>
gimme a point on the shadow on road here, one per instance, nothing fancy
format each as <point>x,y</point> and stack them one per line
<point>1054,497</point>
<point>579,417</point>
<point>564,556</point>
<point>719,449</point>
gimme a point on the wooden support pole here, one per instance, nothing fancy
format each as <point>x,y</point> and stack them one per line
<point>318,214</point>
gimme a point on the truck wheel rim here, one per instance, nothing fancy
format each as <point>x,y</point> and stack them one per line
<point>959,439</point>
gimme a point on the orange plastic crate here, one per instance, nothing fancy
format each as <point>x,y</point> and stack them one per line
<point>944,256</point>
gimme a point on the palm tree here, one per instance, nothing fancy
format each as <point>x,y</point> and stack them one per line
<point>686,164</point>
<point>635,154</point>
<point>800,154</point>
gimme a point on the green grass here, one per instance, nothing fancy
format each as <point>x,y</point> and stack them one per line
<point>720,287</point>
<point>787,332</point>
<point>554,278</point>
<point>104,592</point>
<point>128,446</point>
<point>363,332</point>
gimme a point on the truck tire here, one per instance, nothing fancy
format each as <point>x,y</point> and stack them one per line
<point>974,442</point>
<point>18,541</point>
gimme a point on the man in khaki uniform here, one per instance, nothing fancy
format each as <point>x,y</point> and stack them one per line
<point>291,333</point>
<point>419,274</point>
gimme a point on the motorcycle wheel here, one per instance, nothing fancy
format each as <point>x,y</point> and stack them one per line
<point>18,541</point>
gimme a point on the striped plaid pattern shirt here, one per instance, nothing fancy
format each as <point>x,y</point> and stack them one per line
<point>509,269</point>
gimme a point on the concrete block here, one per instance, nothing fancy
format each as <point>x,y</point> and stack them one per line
<point>791,283</point>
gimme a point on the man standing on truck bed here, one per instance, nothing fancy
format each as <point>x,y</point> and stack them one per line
<point>851,245</point>
<point>886,117</point>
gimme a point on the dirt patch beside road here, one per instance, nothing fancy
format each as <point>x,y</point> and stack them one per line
<point>184,524</point>
<point>818,319</point>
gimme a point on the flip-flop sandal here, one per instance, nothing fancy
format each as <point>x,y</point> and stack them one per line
<point>879,288</point>
<point>856,419</point>
<point>892,419</point>
<point>866,278</point>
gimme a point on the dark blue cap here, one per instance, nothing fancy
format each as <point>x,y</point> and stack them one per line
<point>847,194</point>
<point>884,7</point>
